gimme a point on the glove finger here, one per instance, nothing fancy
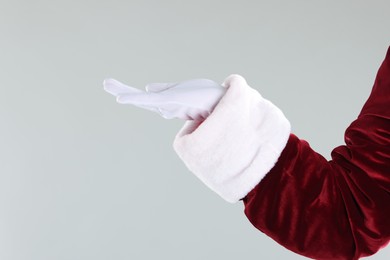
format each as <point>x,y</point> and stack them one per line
<point>158,87</point>
<point>116,88</point>
<point>199,83</point>
<point>139,99</point>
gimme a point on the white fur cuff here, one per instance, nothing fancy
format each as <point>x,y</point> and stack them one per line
<point>238,144</point>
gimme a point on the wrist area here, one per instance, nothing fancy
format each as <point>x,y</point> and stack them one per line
<point>237,144</point>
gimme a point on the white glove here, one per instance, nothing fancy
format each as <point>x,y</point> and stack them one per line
<point>192,99</point>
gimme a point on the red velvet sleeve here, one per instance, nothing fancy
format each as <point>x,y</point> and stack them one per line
<point>337,209</point>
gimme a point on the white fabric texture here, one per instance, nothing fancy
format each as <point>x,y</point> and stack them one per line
<point>237,144</point>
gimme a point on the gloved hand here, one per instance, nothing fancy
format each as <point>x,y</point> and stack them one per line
<point>192,99</point>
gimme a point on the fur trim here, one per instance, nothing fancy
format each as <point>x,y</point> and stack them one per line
<point>238,144</point>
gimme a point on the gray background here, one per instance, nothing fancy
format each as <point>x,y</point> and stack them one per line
<point>82,177</point>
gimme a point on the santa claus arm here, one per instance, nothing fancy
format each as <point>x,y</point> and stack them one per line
<point>336,209</point>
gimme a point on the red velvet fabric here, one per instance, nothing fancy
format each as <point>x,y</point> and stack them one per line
<point>338,209</point>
